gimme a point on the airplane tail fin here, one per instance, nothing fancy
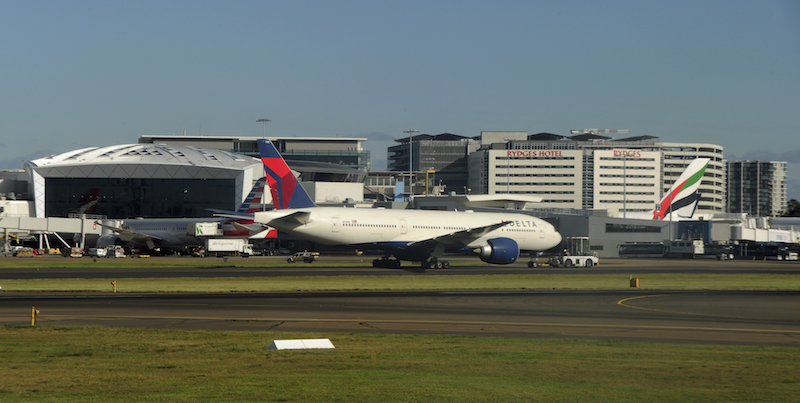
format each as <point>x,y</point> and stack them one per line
<point>286,190</point>
<point>682,197</point>
<point>87,203</point>
<point>252,202</point>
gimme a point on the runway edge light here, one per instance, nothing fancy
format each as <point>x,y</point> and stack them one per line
<point>300,344</point>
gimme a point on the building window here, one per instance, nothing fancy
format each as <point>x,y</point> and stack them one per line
<point>632,228</point>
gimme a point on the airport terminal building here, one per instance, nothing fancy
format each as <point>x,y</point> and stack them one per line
<point>140,180</point>
<point>345,151</point>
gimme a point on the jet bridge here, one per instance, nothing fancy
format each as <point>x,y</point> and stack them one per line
<point>81,227</point>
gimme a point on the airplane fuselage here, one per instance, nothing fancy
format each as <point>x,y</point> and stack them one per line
<point>401,228</point>
<point>172,232</point>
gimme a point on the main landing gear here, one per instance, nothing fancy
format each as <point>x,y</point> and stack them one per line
<point>392,263</point>
<point>386,263</point>
<point>434,263</point>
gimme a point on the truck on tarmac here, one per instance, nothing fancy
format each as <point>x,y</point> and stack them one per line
<point>226,247</point>
<point>567,261</point>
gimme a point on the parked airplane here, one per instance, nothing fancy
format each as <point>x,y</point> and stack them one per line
<point>412,235</point>
<point>178,233</point>
<point>680,202</point>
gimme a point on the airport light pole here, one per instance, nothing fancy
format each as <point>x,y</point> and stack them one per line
<point>263,127</point>
<point>410,133</point>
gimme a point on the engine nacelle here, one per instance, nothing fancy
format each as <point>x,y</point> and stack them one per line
<point>499,251</point>
<point>107,240</point>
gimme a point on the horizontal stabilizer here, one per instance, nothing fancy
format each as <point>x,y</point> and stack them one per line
<point>229,213</point>
<point>280,218</point>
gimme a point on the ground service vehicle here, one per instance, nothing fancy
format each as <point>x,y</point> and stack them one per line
<point>567,261</point>
<point>306,256</point>
<point>227,247</point>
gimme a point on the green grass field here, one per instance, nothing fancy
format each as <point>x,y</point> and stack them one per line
<point>121,365</point>
<point>69,364</point>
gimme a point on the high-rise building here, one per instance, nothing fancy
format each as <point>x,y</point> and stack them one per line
<point>757,188</point>
<point>445,154</point>
<point>590,171</point>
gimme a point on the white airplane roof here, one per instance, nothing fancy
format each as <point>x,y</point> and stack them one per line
<point>148,154</point>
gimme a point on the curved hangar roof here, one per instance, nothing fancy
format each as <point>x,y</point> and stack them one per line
<point>144,161</point>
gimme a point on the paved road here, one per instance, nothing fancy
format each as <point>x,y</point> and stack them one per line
<point>741,317</point>
<point>153,267</point>
<point>737,317</point>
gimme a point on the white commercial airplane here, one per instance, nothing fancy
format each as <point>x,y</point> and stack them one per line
<point>412,235</point>
<point>177,233</point>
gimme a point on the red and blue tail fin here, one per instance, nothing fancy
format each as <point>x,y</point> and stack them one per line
<point>286,190</point>
<point>252,202</point>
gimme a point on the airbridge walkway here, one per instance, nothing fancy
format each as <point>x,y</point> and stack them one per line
<point>27,226</point>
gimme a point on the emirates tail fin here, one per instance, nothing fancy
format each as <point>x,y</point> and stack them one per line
<point>683,197</point>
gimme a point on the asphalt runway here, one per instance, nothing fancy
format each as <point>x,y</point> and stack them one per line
<point>728,317</point>
<point>151,267</point>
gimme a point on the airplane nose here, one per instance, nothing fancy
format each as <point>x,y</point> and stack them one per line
<point>556,236</point>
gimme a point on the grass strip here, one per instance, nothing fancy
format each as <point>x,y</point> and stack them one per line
<point>58,262</point>
<point>65,364</point>
<point>655,281</point>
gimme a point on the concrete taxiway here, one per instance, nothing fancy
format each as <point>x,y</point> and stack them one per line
<point>737,317</point>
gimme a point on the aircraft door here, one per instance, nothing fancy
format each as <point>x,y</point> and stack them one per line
<point>403,227</point>
<point>335,227</point>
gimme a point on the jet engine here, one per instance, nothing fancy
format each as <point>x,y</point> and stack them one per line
<point>107,240</point>
<point>499,251</point>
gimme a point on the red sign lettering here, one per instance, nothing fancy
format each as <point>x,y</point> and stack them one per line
<point>534,153</point>
<point>628,153</point>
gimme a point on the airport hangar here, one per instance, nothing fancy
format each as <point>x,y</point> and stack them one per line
<point>159,180</point>
<point>140,180</point>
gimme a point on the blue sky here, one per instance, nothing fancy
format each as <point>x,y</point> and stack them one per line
<point>85,73</point>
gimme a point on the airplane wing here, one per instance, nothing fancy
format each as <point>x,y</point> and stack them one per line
<point>133,236</point>
<point>230,214</point>
<point>460,238</point>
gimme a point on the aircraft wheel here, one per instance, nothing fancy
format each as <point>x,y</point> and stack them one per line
<point>532,264</point>
<point>439,264</point>
<point>445,264</point>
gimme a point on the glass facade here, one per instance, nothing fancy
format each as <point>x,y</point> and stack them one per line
<point>632,228</point>
<point>136,197</point>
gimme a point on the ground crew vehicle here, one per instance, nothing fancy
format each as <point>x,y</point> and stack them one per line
<point>306,256</point>
<point>225,247</point>
<point>567,261</point>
